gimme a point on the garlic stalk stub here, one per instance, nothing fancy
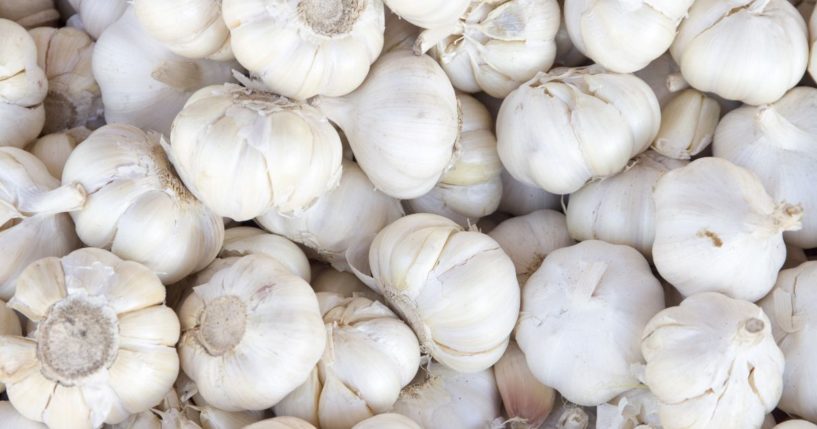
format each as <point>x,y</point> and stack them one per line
<point>712,363</point>
<point>429,13</point>
<point>526,401</point>
<point>97,15</point>
<point>23,86</point>
<point>688,124</point>
<point>104,344</point>
<point>30,13</point>
<point>246,240</point>
<point>54,149</point>
<point>716,229</point>
<point>192,29</point>
<point>387,421</point>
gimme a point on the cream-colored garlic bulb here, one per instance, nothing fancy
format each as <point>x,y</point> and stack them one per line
<point>567,54</point>
<point>590,287</point>
<point>748,50</point>
<point>13,419</point>
<point>53,149</point>
<point>246,240</point>
<point>717,229</point>
<point>33,219</point>
<point>96,16</point>
<point>520,199</point>
<point>338,218</point>
<point>456,288</point>
<point>796,424</point>
<point>528,239</point>
<point>635,409</point>
<point>281,423</point>
<point>143,83</point>
<point>429,13</point>
<point>441,398</point>
<point>30,13</point>
<point>251,333</point>
<point>23,86</point>
<point>496,46</point>
<point>370,356</point>
<point>399,33</point>
<point>302,48</point>
<point>527,402</point>
<point>387,421</point>
<point>137,207</point>
<point>402,123</point>
<point>563,128</point>
<point>688,124</point>
<point>9,325</point>
<point>712,363</point>
<point>192,29</point>
<point>341,283</point>
<point>778,143</point>
<point>620,209</point>
<point>623,35</point>
<point>104,344</point>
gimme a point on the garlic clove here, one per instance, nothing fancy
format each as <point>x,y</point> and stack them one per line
<point>527,402</point>
<point>244,240</point>
<point>154,325</point>
<point>688,124</point>
<point>191,29</point>
<point>54,149</point>
<point>387,421</point>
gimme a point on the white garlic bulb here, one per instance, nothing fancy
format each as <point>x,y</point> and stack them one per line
<point>456,288</point>
<point>462,204</point>
<point>337,218</point>
<point>748,50</point>
<point>441,398</point>
<point>712,363</point>
<point>387,421</point>
<point>762,139</point>
<point>716,229</point>
<point>688,124</point>
<point>53,149</point>
<point>370,356</point>
<point>137,207</point>
<point>104,344</point>
<point>245,240</point>
<point>33,219</point>
<point>13,419</point>
<point>281,423</point>
<point>520,199</point>
<point>142,82</point>
<point>622,35</point>
<point>192,29</point>
<point>563,128</point>
<point>30,13</point>
<point>635,409</point>
<point>244,312</point>
<point>429,13</point>
<point>23,86</point>
<point>302,48</point>
<point>620,209</point>
<point>402,123</point>
<point>590,287</point>
<point>526,402</point>
<point>796,424</point>
<point>97,15</point>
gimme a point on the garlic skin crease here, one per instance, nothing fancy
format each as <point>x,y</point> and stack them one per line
<point>54,149</point>
<point>429,13</point>
<point>526,401</point>
<point>456,288</point>
<point>761,139</point>
<point>246,240</point>
<point>244,312</point>
<point>387,421</point>
<point>402,123</point>
<point>302,48</point>
<point>688,124</point>
<point>748,50</point>
<point>590,287</point>
<point>370,356</point>
<point>192,29</point>
<point>30,13</point>
<point>712,363</point>
<point>104,344</point>
<point>717,230</point>
<point>11,417</point>
<point>565,127</point>
<point>137,207</point>
<point>97,15</point>
<point>23,86</point>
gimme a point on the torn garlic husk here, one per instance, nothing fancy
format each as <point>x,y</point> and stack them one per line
<point>192,29</point>
<point>520,198</point>
<point>281,423</point>
<point>9,325</point>
<point>30,13</point>
<point>12,418</point>
<point>23,87</point>
<point>429,13</point>
<point>527,402</point>
<point>387,421</point>
<point>245,240</point>
<point>712,362</point>
<point>104,344</point>
<point>635,409</point>
<point>95,16</point>
<point>54,149</point>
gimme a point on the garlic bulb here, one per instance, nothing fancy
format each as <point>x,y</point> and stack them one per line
<point>716,229</point>
<point>637,408</point>
<point>13,419</point>
<point>530,238</point>
<point>9,325</point>
<point>620,209</point>
<point>23,86</point>
<point>567,54</point>
<point>520,199</point>
<point>53,149</point>
<point>402,123</point>
<point>341,283</point>
<point>456,288</point>
<point>33,219</point>
<point>387,421</point>
<point>192,29</point>
<point>245,240</point>
<point>590,287</point>
<point>30,13</point>
<point>73,96</point>
<point>337,218</point>
<point>429,13</point>
<point>791,308</point>
<point>688,123</point>
<point>796,424</point>
<point>302,48</point>
<point>236,324</point>
<point>761,139</point>
<point>496,46</point>
<point>441,398</point>
<point>526,401</point>
<point>399,33</point>
<point>98,15</point>
<point>283,155</point>
<point>104,344</point>
<point>622,35</point>
<point>142,82</point>
<point>563,128</point>
<point>281,423</point>
<point>137,207</point>
<point>462,204</point>
<point>370,355</point>
<point>712,363</point>
<point>748,50</point>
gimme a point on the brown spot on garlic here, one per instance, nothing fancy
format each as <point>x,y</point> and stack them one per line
<point>716,239</point>
<point>330,17</point>
<point>222,324</point>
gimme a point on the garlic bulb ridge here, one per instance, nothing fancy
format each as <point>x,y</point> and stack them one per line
<point>23,86</point>
<point>192,29</point>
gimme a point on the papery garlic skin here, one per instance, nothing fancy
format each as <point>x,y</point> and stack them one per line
<point>387,421</point>
<point>421,258</point>
<point>429,13</point>
<point>748,50</point>
<point>520,199</point>
<point>104,344</point>
<point>441,398</point>
<point>281,423</point>
<point>302,48</point>
<point>403,123</point>
<point>526,401</point>
<point>563,128</point>
<point>620,209</point>
<point>637,408</point>
<point>246,240</point>
<point>54,149</point>
<point>23,86</point>
<point>11,417</point>
<point>762,139</point>
<point>190,28</point>
<point>590,287</point>
<point>712,362</point>
<point>137,207</point>
<point>688,124</point>
<point>30,13</point>
<point>96,16</point>
<point>718,230</point>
